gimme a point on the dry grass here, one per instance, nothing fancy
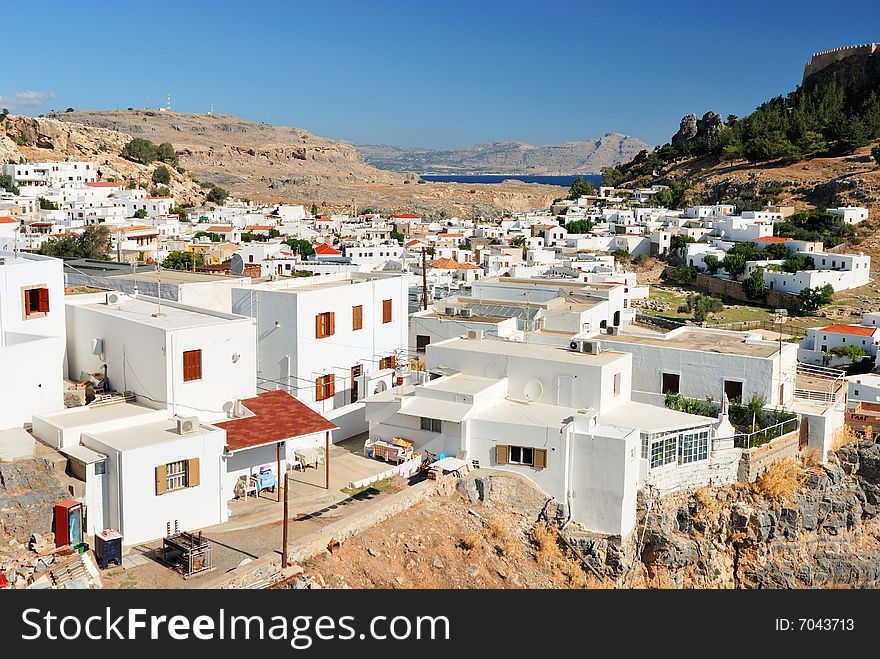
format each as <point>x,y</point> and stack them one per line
<point>780,480</point>
<point>709,507</point>
<point>471,542</point>
<point>502,532</point>
<point>812,457</point>
<point>845,435</point>
<point>563,565</point>
<point>547,550</point>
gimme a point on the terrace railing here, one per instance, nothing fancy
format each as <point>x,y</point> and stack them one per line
<point>765,435</point>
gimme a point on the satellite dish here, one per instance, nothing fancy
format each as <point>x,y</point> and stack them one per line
<point>236,267</point>
<point>533,390</point>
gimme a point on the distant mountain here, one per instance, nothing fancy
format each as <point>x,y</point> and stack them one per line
<point>507,157</point>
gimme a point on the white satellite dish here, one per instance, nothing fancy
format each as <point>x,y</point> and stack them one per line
<point>533,390</point>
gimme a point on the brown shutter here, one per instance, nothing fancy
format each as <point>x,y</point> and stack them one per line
<point>331,386</point>
<point>192,472</point>
<point>197,364</point>
<point>501,454</point>
<point>357,317</point>
<point>540,458</point>
<point>161,480</point>
<point>44,300</point>
<point>386,311</point>
<point>192,365</point>
<point>319,327</point>
<point>332,329</point>
<point>320,391</point>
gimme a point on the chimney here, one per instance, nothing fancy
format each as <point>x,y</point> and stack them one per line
<point>237,409</point>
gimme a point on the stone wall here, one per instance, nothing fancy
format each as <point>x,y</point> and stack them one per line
<point>28,494</point>
<point>734,290</point>
<point>755,460</point>
<point>820,60</point>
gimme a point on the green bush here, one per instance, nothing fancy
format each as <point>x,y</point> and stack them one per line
<point>161,175</point>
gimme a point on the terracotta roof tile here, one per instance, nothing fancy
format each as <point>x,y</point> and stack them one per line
<point>856,330</point>
<point>277,416</point>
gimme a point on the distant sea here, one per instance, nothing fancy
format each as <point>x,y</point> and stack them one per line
<point>564,181</point>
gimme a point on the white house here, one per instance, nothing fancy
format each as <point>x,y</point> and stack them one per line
<point>34,178</point>
<point>818,342</point>
<point>328,340</point>
<point>850,214</point>
<point>32,337</point>
<point>191,361</point>
<point>562,418</point>
<point>842,271</point>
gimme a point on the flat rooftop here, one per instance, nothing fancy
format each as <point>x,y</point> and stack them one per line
<point>321,282</point>
<point>534,350</point>
<point>146,434</point>
<point>461,384</point>
<point>76,417</point>
<point>724,342</point>
<point>539,415</point>
<point>175,277</point>
<point>141,310</point>
<point>650,418</point>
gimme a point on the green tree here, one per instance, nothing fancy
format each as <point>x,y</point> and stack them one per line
<point>794,263</point>
<point>166,153</point>
<point>183,260</point>
<point>302,247</point>
<point>754,285</point>
<point>217,195</point>
<point>46,205</point>
<point>678,241</point>
<point>851,352</point>
<point>140,213</point>
<point>735,264</point>
<point>664,199</point>
<point>161,175</point>
<point>813,298</point>
<point>92,243</point>
<point>704,305</point>
<point>210,235</point>
<point>140,150</point>
<point>611,176</point>
<point>7,184</point>
<point>713,265</point>
<point>579,226</point>
<point>681,275</point>
<point>314,210</point>
<point>580,188</point>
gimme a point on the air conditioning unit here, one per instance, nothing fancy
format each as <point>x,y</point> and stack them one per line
<point>466,313</point>
<point>187,424</point>
<point>614,331</point>
<point>450,311</point>
<point>111,298</point>
<point>589,347</point>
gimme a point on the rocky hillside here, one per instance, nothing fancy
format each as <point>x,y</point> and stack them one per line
<point>508,157</point>
<point>273,163</point>
<point>44,139</point>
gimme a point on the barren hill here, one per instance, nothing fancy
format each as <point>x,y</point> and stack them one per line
<point>283,164</point>
<point>508,157</point>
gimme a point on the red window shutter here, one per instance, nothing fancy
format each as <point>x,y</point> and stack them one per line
<point>44,300</point>
<point>192,365</point>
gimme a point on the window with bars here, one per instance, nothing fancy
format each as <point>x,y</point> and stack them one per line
<point>694,446</point>
<point>325,325</point>
<point>387,362</point>
<point>357,317</point>
<point>325,387</point>
<point>175,475</point>
<point>192,365</point>
<point>431,425</point>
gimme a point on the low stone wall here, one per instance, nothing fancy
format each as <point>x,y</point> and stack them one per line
<point>734,290</point>
<point>267,569</point>
<point>755,460</point>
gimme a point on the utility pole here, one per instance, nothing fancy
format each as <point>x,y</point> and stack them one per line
<point>424,279</point>
<point>284,526</point>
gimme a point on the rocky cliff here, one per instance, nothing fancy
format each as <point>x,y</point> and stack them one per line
<point>508,157</point>
<point>824,535</point>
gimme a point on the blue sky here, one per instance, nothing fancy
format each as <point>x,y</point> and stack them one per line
<point>442,74</point>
